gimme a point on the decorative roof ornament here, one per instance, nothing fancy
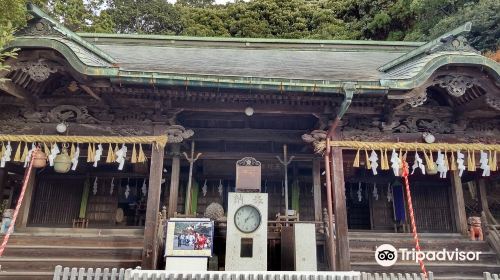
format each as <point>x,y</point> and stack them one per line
<point>456,85</point>
<point>39,70</point>
<point>177,133</point>
<point>433,46</point>
<point>452,43</point>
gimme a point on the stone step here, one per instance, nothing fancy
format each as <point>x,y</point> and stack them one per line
<point>57,251</point>
<point>14,264</point>
<point>83,241</point>
<point>22,275</point>
<point>357,255</point>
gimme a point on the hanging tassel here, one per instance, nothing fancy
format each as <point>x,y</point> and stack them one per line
<point>368,163</point>
<point>46,149</point>
<point>3,150</point>
<point>72,151</point>
<point>93,152</point>
<point>109,157</point>
<point>446,162</point>
<point>25,152</point>
<point>141,157</point>
<point>17,155</point>
<point>356,160</point>
<point>493,161</point>
<point>429,162</point>
<point>471,161</point>
<point>453,166</point>
<point>113,156</point>
<point>384,161</point>
<point>133,158</point>
<point>90,153</point>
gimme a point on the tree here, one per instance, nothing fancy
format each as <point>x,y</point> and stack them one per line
<point>13,15</point>
<point>144,16</point>
<point>196,3</point>
<point>485,33</point>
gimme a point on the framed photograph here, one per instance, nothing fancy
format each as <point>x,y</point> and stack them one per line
<point>189,238</point>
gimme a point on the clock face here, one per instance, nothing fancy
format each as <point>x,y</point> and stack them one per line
<point>247,218</point>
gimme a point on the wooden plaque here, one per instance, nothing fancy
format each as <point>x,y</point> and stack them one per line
<point>248,174</point>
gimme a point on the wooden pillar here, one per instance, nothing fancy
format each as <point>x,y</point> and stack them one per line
<point>340,210</point>
<point>483,196</point>
<point>329,206</point>
<point>150,254</point>
<point>457,196</point>
<point>316,173</point>
<point>174,179</point>
<point>22,218</point>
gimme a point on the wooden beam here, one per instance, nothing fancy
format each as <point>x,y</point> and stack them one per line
<point>248,134</point>
<point>90,92</point>
<point>150,249</point>
<point>174,179</point>
<point>340,210</point>
<point>10,88</point>
<point>457,196</point>
<point>316,174</point>
<point>483,195</point>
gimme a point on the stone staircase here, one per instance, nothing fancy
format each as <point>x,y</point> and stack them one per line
<point>34,256</point>
<point>363,245</point>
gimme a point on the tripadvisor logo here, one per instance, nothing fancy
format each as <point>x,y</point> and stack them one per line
<point>387,255</point>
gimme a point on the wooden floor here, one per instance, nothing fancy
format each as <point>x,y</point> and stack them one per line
<point>33,253</point>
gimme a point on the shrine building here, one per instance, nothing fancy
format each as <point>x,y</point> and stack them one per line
<point>160,127</point>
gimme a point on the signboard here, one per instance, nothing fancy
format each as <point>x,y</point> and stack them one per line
<point>248,175</point>
<point>189,238</point>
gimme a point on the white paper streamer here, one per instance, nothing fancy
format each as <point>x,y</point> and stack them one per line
<point>98,154</point>
<point>396,163</point>
<point>484,164</point>
<point>441,166</point>
<point>418,163</point>
<point>6,155</point>
<point>74,160</point>
<point>30,153</point>
<point>53,153</point>
<point>373,160</point>
<point>121,156</point>
<point>460,163</point>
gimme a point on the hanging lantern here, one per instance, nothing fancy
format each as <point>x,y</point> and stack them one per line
<point>62,162</point>
<point>39,159</point>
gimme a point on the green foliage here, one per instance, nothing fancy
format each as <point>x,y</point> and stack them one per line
<point>485,33</point>
<point>144,17</point>
<point>13,15</point>
<point>195,3</point>
<point>415,20</point>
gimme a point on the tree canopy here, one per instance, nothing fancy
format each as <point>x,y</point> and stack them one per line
<point>415,20</point>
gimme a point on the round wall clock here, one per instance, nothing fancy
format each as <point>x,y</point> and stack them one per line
<point>247,218</point>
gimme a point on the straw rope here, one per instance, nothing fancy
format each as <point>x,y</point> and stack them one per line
<point>355,145</point>
<point>160,140</point>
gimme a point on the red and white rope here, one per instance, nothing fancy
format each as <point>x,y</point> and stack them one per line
<point>412,216</point>
<point>27,175</point>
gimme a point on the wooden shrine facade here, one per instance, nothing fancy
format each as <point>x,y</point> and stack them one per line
<point>231,98</point>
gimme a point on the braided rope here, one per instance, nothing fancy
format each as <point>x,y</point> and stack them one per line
<point>160,140</point>
<point>354,145</point>
<point>412,216</point>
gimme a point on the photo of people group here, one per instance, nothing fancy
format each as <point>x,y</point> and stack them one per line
<point>191,235</point>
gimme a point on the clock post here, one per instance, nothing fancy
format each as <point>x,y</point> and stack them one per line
<point>246,241</point>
